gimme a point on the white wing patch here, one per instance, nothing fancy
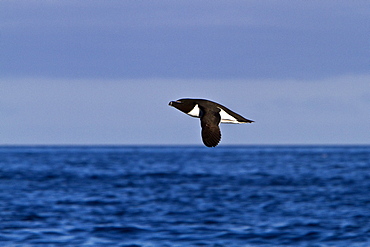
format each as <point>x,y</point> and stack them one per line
<point>195,112</point>
<point>227,118</point>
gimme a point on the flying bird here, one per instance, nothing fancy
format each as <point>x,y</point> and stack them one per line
<point>211,114</point>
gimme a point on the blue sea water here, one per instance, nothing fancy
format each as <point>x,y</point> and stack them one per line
<point>185,196</point>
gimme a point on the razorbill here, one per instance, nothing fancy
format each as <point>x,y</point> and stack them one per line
<point>211,114</point>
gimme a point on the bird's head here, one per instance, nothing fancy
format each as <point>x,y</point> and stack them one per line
<point>184,105</point>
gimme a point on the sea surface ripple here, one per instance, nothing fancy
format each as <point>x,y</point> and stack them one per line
<point>146,196</point>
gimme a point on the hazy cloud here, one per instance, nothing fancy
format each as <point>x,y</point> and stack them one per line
<point>184,39</point>
<point>136,111</point>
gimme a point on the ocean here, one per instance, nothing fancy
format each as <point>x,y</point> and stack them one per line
<point>144,196</point>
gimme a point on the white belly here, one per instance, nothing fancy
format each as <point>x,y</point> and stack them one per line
<point>225,117</point>
<point>195,112</point>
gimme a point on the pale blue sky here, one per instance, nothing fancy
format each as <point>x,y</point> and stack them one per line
<point>103,72</point>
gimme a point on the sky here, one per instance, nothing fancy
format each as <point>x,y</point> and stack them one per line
<point>102,72</point>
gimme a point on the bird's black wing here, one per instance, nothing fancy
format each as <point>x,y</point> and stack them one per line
<point>211,133</point>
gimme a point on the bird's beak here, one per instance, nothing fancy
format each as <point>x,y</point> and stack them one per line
<point>172,102</point>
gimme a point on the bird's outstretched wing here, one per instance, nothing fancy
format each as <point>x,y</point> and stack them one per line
<point>211,133</point>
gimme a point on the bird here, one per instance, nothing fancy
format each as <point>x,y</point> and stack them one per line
<point>211,114</point>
